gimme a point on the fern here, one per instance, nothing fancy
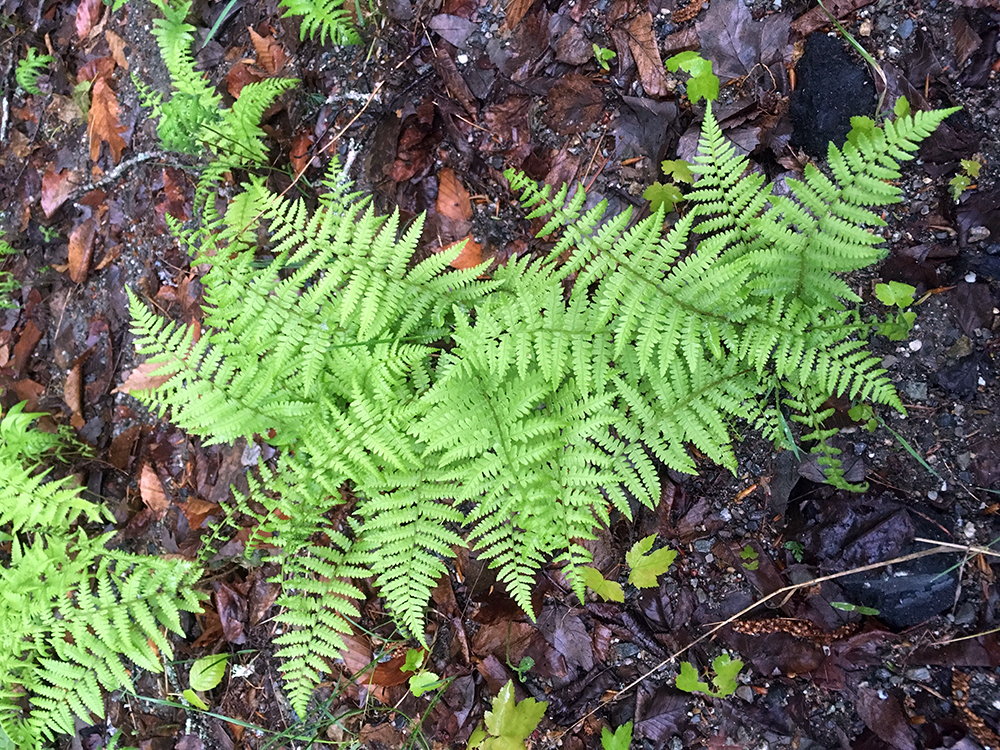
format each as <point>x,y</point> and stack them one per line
<point>192,119</point>
<point>327,18</point>
<point>30,68</point>
<point>418,408</point>
<point>72,612</point>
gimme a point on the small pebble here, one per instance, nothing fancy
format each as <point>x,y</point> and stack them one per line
<point>915,345</point>
<point>971,277</point>
<point>920,674</point>
<point>462,59</point>
<point>905,28</point>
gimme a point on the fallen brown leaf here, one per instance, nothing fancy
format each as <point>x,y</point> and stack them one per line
<point>117,45</point>
<point>141,379</point>
<point>453,200</point>
<point>642,45</point>
<point>73,394</point>
<point>240,75</point>
<point>81,250</point>
<point>270,55</point>
<point>471,255</point>
<point>88,13</point>
<point>102,122</point>
<point>56,188</point>
<point>151,491</point>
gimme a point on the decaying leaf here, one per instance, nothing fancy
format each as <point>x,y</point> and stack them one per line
<point>151,491</point>
<point>81,250</point>
<point>102,121</point>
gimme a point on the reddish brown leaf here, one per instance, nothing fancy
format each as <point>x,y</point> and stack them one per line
<point>232,607</point>
<point>816,18</point>
<point>239,76</point>
<point>100,67</point>
<point>24,346</point>
<point>151,491</point>
<point>56,188</point>
<point>453,200</point>
<point>175,202</point>
<point>574,105</point>
<point>102,122</point>
<point>270,55</point>
<point>471,255</point>
<point>263,594</point>
<point>88,13</point>
<point>196,510</point>
<point>140,379</point>
<point>515,12</point>
<point>121,452</point>
<point>73,394</point>
<point>299,155</point>
<point>81,250</point>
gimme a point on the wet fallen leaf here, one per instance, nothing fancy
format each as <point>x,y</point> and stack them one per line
<point>270,55</point>
<point>24,346</point>
<point>141,379</point>
<point>232,607</point>
<point>81,250</point>
<point>57,186</point>
<point>453,200</point>
<point>88,13</point>
<point>642,45</point>
<point>117,45</point>
<point>102,122</point>
<point>299,155</point>
<point>575,103</point>
<point>470,256</point>
<point>73,394</point>
<point>239,76</point>
<point>151,491</point>
<point>196,510</point>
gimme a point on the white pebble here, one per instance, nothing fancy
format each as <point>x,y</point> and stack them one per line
<point>462,59</point>
<point>971,277</point>
<point>915,345</point>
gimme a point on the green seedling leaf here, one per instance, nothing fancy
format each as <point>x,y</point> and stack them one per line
<point>523,667</point>
<point>959,184</point>
<point>510,723</point>
<point>796,548</point>
<point>895,293</point>
<point>477,737</point>
<point>208,671</point>
<point>971,167</point>
<point>659,194</point>
<point>609,591</point>
<point>603,55</point>
<point>749,555</point>
<point>647,568</point>
<point>678,169</point>
<point>620,740</point>
<point>726,670</point>
<point>191,697</point>
<point>703,83</point>
<point>414,660</point>
<point>848,607</point>
<point>423,682</point>
<point>902,107</point>
<point>688,680</point>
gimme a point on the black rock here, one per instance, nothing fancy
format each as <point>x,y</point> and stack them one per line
<point>831,88</point>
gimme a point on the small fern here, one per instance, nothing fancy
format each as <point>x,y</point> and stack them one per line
<point>192,119</point>
<point>327,18</point>
<point>30,68</point>
<point>418,408</point>
<point>72,611</point>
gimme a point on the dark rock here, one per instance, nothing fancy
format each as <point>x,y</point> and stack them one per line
<point>831,89</point>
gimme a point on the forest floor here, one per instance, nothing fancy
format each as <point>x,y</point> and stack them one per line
<point>428,111</point>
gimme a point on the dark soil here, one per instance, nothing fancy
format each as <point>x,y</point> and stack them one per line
<point>456,93</point>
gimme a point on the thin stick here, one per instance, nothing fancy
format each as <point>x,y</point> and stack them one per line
<point>746,610</point>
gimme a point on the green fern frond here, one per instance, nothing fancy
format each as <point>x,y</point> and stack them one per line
<point>326,18</point>
<point>416,406</point>
<point>29,68</point>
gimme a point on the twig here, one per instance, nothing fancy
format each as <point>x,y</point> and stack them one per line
<point>789,590</point>
<point>115,173</point>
